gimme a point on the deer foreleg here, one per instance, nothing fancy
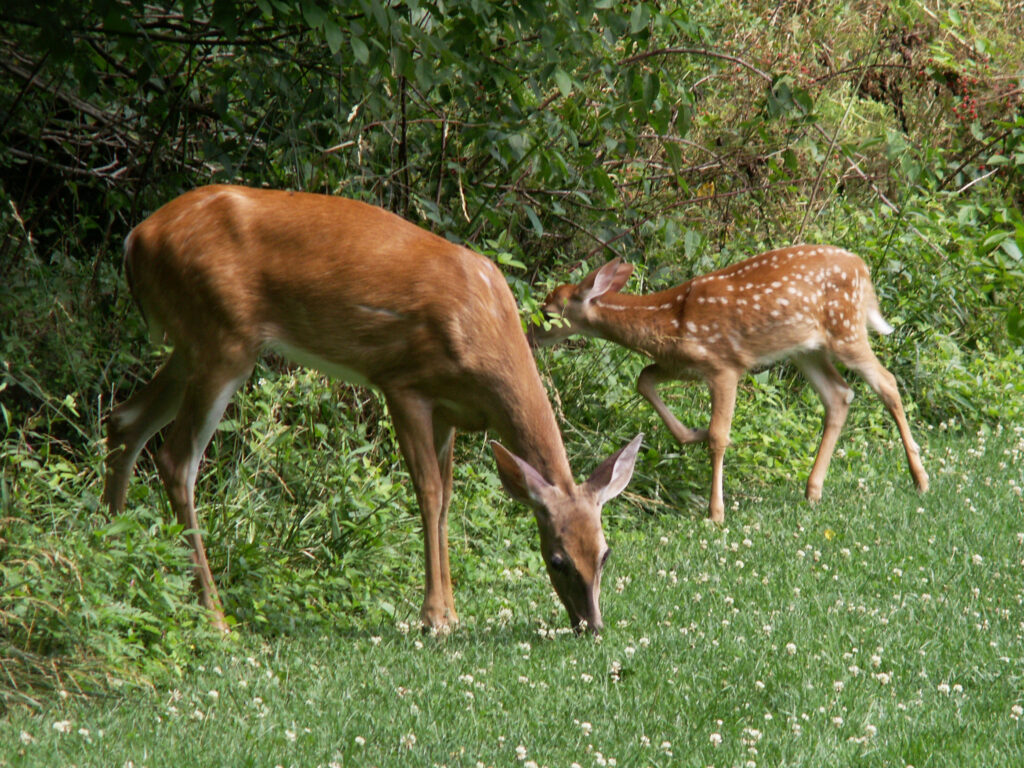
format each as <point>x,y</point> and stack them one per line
<point>413,418</point>
<point>723,404</point>
<point>647,385</point>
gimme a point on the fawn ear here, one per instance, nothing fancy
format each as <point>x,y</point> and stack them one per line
<point>607,279</point>
<point>610,479</point>
<point>523,482</point>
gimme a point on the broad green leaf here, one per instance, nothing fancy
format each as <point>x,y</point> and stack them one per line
<point>1011,249</point>
<point>639,18</point>
<point>674,155</point>
<point>684,119</point>
<point>360,51</point>
<point>538,228</point>
<point>1015,324</point>
<point>563,81</point>
<point>333,34</point>
<point>314,15</point>
<point>691,243</point>
<point>651,86</point>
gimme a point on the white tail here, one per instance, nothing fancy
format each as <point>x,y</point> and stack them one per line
<point>808,303</point>
<point>359,293</point>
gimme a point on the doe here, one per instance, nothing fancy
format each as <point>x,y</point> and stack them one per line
<point>359,293</point>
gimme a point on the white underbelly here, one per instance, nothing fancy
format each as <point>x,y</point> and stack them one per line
<point>311,360</point>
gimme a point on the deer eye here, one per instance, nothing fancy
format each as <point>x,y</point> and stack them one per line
<point>605,556</point>
<point>557,563</point>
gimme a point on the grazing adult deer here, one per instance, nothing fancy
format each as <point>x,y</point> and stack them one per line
<point>359,293</point>
<point>808,303</point>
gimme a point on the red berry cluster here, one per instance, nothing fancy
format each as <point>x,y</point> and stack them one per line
<point>967,109</point>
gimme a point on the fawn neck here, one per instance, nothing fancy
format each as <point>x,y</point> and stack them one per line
<point>646,323</point>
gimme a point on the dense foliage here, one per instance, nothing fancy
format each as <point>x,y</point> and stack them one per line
<point>548,135</point>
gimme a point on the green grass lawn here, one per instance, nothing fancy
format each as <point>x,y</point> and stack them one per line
<point>877,628</point>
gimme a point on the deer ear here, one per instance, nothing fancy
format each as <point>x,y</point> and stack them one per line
<point>610,479</point>
<point>523,482</point>
<point>607,279</point>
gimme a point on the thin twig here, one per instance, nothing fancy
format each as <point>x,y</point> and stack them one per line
<point>697,52</point>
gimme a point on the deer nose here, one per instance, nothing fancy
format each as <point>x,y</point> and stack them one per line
<point>593,615</point>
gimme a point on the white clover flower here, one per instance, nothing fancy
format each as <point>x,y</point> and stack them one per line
<point>791,648</point>
<point>716,739</point>
<point>943,688</point>
<point>360,741</point>
<point>1016,711</point>
<point>520,752</point>
<point>408,741</point>
<point>587,728</point>
<point>26,738</point>
<point>751,736</point>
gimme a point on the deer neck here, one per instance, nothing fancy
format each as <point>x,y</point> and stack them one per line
<point>526,423</point>
<point>644,323</point>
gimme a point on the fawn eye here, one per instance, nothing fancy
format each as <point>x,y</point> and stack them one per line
<point>605,556</point>
<point>557,563</point>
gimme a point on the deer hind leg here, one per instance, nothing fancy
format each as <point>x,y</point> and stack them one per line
<point>863,361</point>
<point>207,391</point>
<point>723,404</point>
<point>413,419</point>
<point>134,422</point>
<point>836,396</point>
<point>646,385</point>
<point>444,446</point>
